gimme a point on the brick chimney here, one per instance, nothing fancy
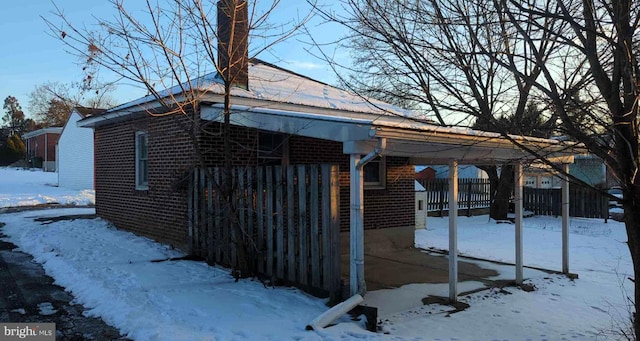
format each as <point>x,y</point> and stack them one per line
<point>233,42</point>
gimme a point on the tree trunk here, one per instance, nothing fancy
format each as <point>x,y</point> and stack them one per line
<point>500,204</point>
<point>632,224</point>
<point>242,267</point>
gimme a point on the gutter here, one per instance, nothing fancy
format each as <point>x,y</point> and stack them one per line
<point>356,230</point>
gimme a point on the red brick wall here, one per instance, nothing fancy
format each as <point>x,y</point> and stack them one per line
<point>160,212</point>
<point>36,146</point>
<point>389,207</point>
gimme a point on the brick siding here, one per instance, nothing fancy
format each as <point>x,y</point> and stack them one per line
<point>160,212</point>
<point>389,207</point>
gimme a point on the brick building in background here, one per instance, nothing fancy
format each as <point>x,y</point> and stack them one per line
<point>41,147</point>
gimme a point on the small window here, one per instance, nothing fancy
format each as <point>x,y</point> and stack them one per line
<point>142,161</point>
<point>375,173</point>
<point>272,149</point>
<point>420,205</point>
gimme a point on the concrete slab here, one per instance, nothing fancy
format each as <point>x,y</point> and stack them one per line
<point>394,268</point>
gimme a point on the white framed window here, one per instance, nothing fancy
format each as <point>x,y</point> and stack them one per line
<point>375,173</point>
<point>142,161</point>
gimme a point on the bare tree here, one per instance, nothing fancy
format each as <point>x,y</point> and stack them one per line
<point>600,55</point>
<point>51,102</point>
<point>170,47</point>
<point>489,58</point>
<point>430,55</point>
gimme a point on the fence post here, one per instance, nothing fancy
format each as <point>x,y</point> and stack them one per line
<point>441,189</point>
<point>302,225</point>
<point>291,226</point>
<point>190,205</point>
<point>470,183</point>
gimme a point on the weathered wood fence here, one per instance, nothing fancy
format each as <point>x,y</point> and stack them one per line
<point>583,202</point>
<point>288,218</point>
<point>472,193</point>
<point>475,193</point>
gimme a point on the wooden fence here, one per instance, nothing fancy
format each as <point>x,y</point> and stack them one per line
<point>472,193</point>
<point>583,202</point>
<point>288,218</point>
<point>475,193</point>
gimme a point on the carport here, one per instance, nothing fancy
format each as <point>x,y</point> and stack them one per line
<point>382,132</point>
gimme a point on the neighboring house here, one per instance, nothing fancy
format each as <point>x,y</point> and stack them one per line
<point>425,173</point>
<point>41,147</point>
<point>464,172</point>
<point>280,118</point>
<point>586,167</point>
<point>75,152</point>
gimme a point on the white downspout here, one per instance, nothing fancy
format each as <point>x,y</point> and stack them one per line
<point>356,231</point>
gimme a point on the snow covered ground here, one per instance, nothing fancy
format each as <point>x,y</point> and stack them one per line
<point>110,272</point>
<point>19,187</point>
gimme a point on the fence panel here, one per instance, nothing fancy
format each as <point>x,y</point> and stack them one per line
<point>476,193</point>
<point>283,222</point>
<point>584,202</point>
<point>473,193</point>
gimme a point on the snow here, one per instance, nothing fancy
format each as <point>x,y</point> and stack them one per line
<point>273,84</point>
<point>19,187</point>
<point>111,273</point>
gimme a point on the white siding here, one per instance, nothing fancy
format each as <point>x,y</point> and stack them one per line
<point>75,158</point>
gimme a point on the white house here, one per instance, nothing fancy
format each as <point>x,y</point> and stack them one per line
<point>75,152</point>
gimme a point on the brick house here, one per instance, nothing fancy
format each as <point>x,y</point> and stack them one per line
<point>280,117</point>
<point>41,147</point>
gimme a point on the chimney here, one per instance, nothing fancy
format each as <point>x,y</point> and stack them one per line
<point>233,42</point>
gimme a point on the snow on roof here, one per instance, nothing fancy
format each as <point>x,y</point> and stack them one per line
<point>84,111</point>
<point>270,83</point>
<point>419,187</point>
<point>48,130</point>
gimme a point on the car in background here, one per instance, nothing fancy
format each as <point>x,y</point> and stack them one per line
<point>616,192</point>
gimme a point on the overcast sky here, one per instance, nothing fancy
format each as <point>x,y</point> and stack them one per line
<point>31,56</point>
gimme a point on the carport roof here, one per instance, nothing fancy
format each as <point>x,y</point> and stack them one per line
<point>282,101</point>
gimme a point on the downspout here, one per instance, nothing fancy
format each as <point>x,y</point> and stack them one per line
<point>356,235</point>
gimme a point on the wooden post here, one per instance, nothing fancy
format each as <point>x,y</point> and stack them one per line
<point>470,183</point>
<point>518,211</point>
<point>221,241</point>
<point>269,217</point>
<point>280,263</point>
<point>314,213</point>
<point>260,217</point>
<point>211,257</point>
<point>291,226</point>
<point>190,208</point>
<point>303,255</point>
<point>453,231</point>
<point>335,230</point>
<point>565,220</point>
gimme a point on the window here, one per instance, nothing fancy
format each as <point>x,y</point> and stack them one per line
<point>272,149</point>
<point>142,162</point>
<point>375,173</point>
